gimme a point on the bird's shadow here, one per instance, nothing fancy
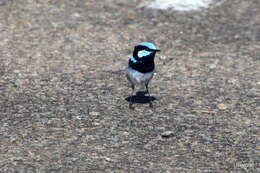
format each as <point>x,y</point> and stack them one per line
<point>140,97</point>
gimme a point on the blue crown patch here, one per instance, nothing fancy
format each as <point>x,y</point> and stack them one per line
<point>149,45</point>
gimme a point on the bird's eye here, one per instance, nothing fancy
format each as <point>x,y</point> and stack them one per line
<point>143,53</point>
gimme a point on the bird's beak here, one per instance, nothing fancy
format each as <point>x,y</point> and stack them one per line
<point>157,50</point>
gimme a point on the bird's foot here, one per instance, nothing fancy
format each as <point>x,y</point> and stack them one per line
<point>131,106</point>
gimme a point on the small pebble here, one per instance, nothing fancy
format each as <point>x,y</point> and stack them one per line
<point>75,15</point>
<point>222,106</point>
<point>167,134</point>
<point>94,113</point>
<point>163,57</point>
<point>212,66</point>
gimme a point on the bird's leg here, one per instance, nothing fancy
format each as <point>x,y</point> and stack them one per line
<point>131,99</point>
<point>150,99</point>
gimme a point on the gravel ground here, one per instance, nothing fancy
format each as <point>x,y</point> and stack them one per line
<point>63,92</point>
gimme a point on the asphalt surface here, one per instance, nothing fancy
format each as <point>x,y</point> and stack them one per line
<point>64,95</point>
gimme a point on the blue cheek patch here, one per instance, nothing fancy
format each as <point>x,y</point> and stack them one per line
<point>143,53</point>
<point>133,59</point>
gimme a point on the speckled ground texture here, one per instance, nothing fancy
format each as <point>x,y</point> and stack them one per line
<point>63,91</point>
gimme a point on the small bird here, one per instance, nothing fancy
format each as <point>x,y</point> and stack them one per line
<point>141,67</point>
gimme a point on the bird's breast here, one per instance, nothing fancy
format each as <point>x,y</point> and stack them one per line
<point>136,77</point>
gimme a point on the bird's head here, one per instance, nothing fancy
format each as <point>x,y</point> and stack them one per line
<point>143,57</point>
<point>145,49</point>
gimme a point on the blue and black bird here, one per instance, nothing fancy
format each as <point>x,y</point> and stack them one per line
<point>141,67</point>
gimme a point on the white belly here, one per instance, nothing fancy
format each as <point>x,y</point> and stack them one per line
<point>138,78</point>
